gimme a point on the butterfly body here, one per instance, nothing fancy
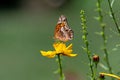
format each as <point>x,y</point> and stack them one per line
<point>62,31</point>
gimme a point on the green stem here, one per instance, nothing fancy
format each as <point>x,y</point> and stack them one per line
<point>100,11</point>
<point>113,16</point>
<point>95,70</point>
<point>104,35</point>
<point>84,29</point>
<point>90,62</point>
<point>60,67</point>
<point>107,61</point>
<point>106,52</point>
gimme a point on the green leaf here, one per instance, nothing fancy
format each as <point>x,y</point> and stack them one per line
<point>103,66</point>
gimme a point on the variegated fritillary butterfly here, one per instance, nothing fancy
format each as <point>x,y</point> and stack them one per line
<point>62,31</point>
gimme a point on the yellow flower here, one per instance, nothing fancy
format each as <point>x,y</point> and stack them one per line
<point>111,75</point>
<point>60,48</point>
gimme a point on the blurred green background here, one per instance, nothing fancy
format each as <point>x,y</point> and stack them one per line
<point>27,26</point>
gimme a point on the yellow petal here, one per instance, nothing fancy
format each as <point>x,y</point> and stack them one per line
<point>71,55</point>
<point>55,45</point>
<point>59,46</point>
<point>49,54</point>
<point>67,51</point>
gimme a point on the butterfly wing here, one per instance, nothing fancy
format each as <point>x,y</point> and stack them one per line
<point>59,35</point>
<point>62,30</point>
<point>63,33</point>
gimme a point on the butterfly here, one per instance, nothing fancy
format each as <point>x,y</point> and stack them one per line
<point>62,31</point>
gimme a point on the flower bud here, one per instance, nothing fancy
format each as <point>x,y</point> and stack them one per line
<point>102,76</point>
<point>96,58</point>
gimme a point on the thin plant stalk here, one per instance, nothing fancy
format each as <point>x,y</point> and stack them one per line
<point>60,67</point>
<point>113,16</point>
<point>84,29</point>
<point>103,35</point>
<point>95,69</point>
